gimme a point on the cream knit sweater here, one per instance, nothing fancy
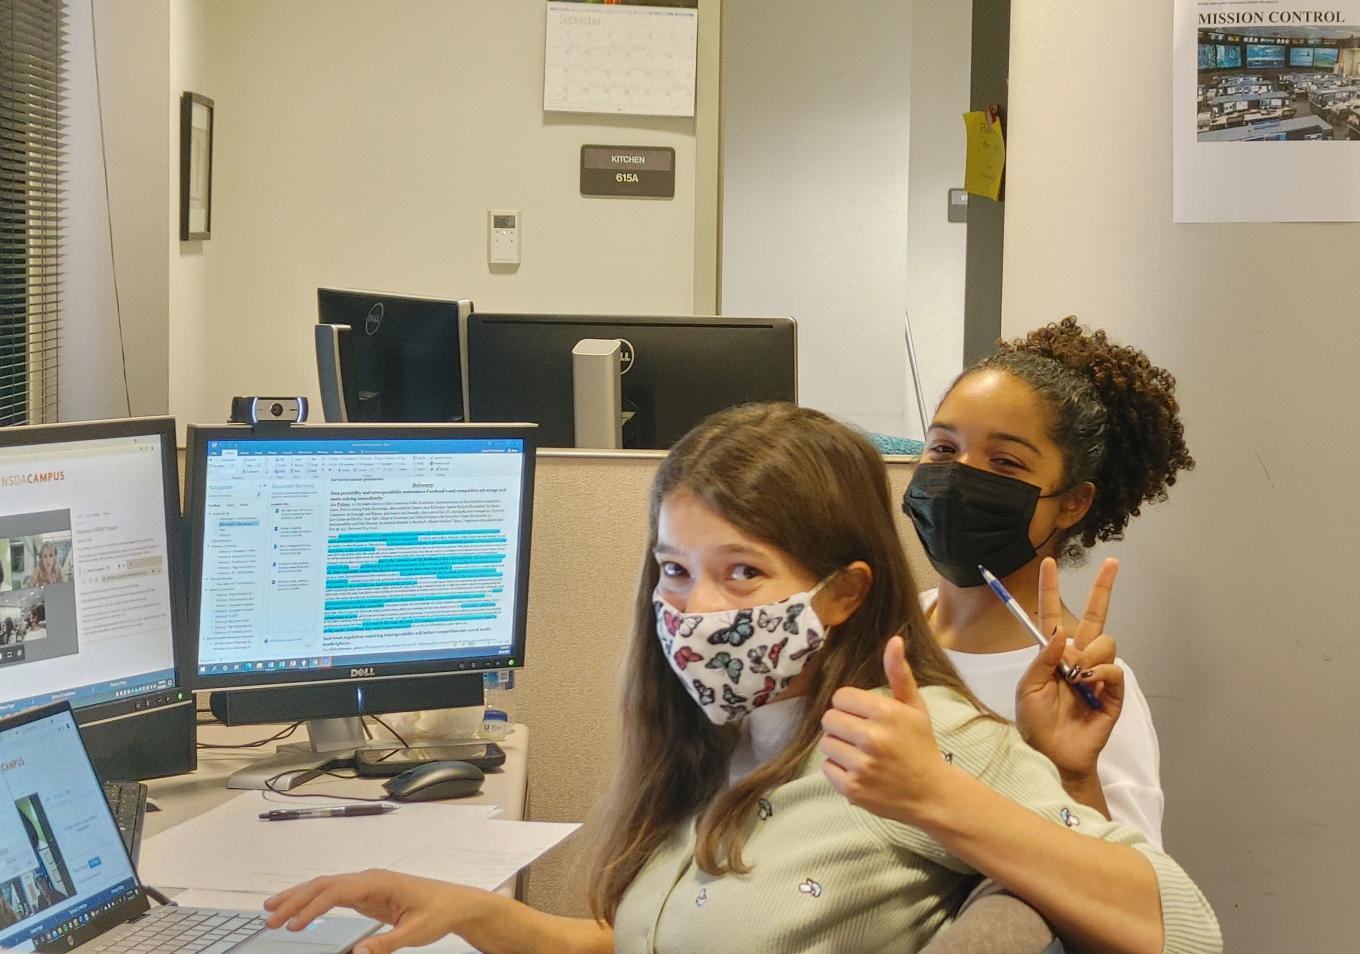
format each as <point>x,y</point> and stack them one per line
<point>829,877</point>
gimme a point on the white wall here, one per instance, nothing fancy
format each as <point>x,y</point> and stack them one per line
<point>1235,598</point>
<point>360,144</point>
<point>941,55</point>
<point>189,261</point>
<point>816,137</point>
<point>132,45</point>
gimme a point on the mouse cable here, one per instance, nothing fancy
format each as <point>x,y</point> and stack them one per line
<point>281,734</point>
<point>270,787</point>
<point>379,720</point>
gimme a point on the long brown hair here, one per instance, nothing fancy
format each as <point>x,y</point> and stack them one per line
<point>795,479</point>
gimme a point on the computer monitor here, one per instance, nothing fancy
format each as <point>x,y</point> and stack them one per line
<point>404,359</point>
<point>1265,55</point>
<point>676,370</point>
<point>350,570</point>
<point>91,588</point>
<point>1229,57</point>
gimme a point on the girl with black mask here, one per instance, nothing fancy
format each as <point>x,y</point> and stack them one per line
<point>1035,454</point>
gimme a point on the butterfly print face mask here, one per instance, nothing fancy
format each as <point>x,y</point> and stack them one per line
<point>734,661</point>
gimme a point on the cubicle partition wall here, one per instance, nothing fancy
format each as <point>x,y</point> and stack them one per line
<point>590,528</point>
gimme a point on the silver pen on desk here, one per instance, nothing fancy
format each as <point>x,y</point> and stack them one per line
<point>345,811</point>
<point>1016,610</point>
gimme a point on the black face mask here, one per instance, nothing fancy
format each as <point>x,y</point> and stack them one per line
<point>966,516</point>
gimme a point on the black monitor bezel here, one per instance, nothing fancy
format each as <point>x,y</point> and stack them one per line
<point>330,300</point>
<point>324,291</point>
<point>480,323</point>
<point>31,435</point>
<point>196,444</point>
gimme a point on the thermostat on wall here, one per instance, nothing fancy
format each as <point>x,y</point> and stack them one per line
<point>502,237</point>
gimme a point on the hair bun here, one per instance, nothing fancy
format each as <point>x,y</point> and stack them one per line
<point>1142,437</point>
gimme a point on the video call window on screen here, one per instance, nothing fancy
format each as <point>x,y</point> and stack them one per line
<point>37,572</point>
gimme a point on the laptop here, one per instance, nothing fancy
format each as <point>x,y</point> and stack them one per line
<point>66,882</point>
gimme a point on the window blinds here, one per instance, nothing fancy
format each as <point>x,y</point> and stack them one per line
<point>32,107</point>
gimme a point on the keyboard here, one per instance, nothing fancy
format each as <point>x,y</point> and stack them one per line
<point>196,930</point>
<point>127,801</point>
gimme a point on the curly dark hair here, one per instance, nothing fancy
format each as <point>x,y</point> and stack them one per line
<point>1114,415</point>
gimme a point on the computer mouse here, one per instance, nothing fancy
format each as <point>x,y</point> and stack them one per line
<point>435,780</point>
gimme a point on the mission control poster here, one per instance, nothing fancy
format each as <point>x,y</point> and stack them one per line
<point>1266,111</point>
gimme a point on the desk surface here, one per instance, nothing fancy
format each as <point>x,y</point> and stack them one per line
<point>182,797</point>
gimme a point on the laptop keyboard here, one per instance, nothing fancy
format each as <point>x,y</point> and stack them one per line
<point>127,801</point>
<point>183,931</point>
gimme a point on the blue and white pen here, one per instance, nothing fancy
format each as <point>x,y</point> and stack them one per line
<point>1082,689</point>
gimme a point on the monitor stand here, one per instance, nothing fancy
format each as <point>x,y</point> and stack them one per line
<point>332,745</point>
<point>332,741</point>
<point>597,393</point>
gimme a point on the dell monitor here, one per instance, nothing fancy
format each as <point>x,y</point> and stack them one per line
<point>403,362</point>
<point>675,370</point>
<point>351,570</point>
<point>90,588</point>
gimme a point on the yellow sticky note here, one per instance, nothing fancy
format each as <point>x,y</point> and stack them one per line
<point>986,155</point>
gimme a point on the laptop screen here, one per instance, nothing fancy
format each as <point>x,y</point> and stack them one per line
<point>63,867</point>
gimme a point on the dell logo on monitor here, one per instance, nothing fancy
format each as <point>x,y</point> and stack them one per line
<point>374,320</point>
<point>625,355</point>
<point>363,671</point>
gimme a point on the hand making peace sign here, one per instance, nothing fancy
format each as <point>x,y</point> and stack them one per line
<point>1051,716</point>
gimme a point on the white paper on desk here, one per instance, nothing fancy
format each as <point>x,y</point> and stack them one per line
<point>231,849</point>
<point>230,900</point>
<point>485,855</point>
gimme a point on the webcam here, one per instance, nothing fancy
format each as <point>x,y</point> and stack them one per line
<point>268,410</point>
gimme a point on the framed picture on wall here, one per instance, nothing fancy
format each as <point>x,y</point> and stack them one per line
<point>195,167</point>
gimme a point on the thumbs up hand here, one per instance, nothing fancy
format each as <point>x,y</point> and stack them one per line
<point>880,751</point>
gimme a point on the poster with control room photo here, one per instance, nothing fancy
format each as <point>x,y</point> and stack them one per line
<point>1266,111</point>
<point>37,587</point>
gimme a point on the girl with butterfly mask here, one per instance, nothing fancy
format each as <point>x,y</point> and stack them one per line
<point>1035,454</point>
<point>773,572</point>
